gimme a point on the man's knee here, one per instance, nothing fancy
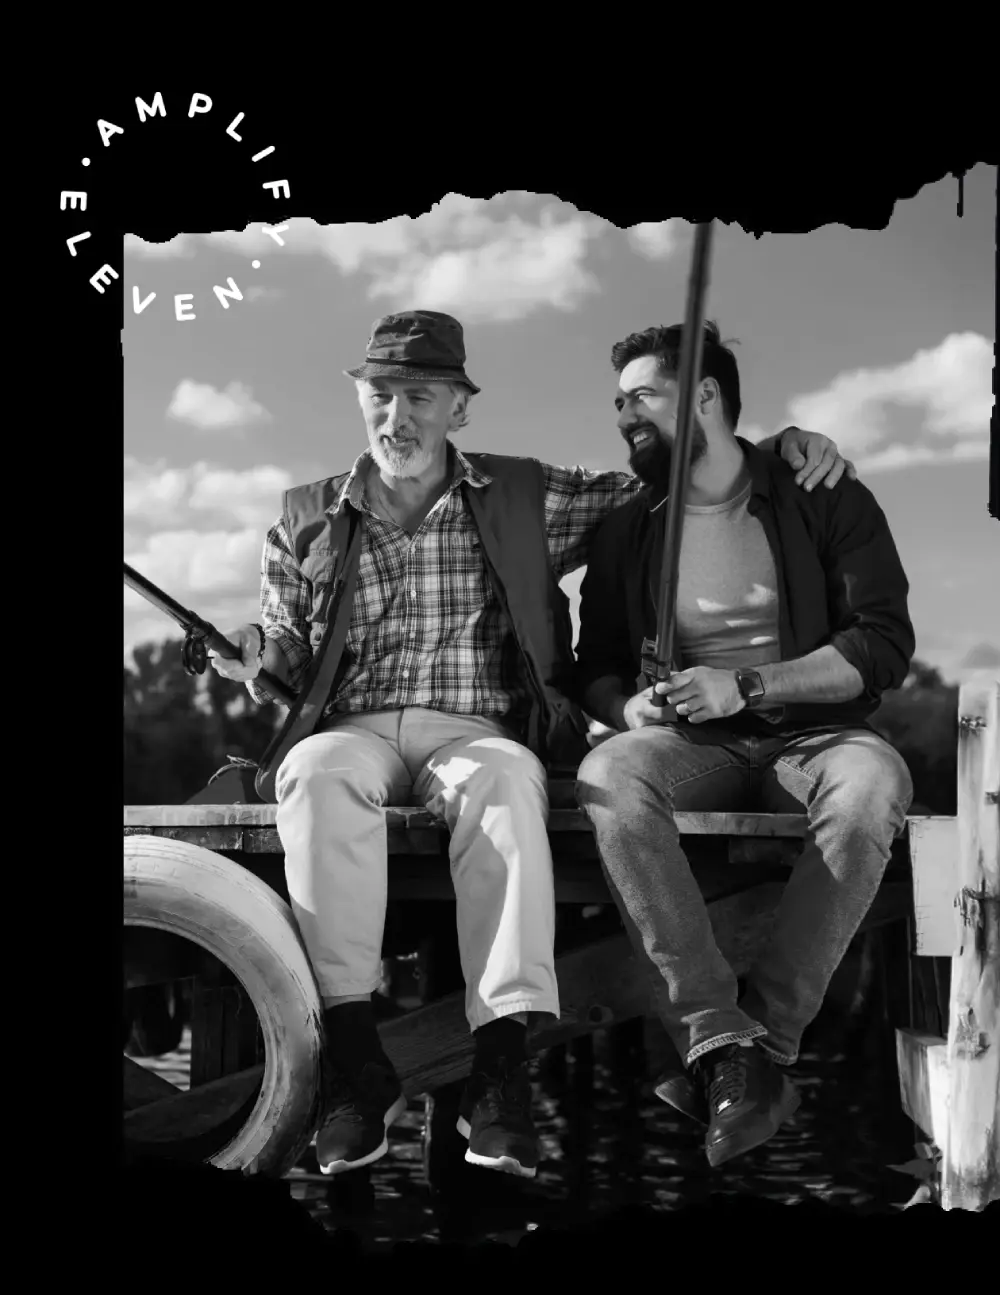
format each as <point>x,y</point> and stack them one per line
<point>612,767</point>
<point>503,761</point>
<point>872,775</point>
<point>326,761</point>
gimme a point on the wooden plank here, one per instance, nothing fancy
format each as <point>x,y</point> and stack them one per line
<point>184,1116</point>
<point>922,1060</point>
<point>407,818</point>
<point>970,1159</point>
<point>141,1086</point>
<point>933,846</point>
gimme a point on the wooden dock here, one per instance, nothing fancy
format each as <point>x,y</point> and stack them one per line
<point>942,881</point>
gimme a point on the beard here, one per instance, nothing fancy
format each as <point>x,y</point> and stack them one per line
<point>402,460</point>
<point>652,462</point>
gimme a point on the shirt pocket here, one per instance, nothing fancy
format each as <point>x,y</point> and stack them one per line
<point>318,567</point>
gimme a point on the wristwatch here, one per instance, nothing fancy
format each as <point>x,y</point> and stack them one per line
<point>751,687</point>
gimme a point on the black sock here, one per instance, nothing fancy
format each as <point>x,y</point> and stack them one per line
<point>351,1032</point>
<point>501,1038</point>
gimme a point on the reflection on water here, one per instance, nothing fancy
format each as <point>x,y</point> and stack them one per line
<point>609,1143</point>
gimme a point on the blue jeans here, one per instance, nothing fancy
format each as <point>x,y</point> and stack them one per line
<point>855,790</point>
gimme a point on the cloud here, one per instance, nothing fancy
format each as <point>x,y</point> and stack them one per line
<point>198,562</point>
<point>656,240</point>
<point>496,259</point>
<point>197,533</point>
<point>949,386</point>
<point>912,456</point>
<point>214,573</point>
<point>201,405</point>
<point>241,495</point>
<point>161,498</point>
<point>507,278</point>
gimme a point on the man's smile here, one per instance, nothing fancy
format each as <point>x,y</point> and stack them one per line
<point>639,437</point>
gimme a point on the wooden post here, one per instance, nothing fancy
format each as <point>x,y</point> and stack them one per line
<point>970,1164</point>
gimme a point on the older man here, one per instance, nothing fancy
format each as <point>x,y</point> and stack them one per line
<point>791,622</point>
<point>439,572</point>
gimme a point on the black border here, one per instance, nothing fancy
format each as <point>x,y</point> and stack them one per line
<point>788,161</point>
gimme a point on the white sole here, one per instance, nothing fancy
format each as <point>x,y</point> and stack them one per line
<point>506,1164</point>
<point>344,1166</point>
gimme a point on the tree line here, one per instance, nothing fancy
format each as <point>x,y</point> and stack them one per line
<point>180,729</point>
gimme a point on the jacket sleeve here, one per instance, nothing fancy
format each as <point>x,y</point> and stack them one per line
<point>604,647</point>
<point>867,590</point>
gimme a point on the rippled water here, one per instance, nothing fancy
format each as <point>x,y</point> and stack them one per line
<point>609,1143</point>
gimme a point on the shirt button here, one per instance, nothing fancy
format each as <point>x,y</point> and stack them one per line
<point>406,674</point>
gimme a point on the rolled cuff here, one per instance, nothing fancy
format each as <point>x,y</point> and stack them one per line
<point>880,666</point>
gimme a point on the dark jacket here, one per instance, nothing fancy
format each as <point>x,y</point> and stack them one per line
<point>840,582</point>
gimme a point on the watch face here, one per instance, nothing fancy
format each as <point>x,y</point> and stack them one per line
<point>750,685</point>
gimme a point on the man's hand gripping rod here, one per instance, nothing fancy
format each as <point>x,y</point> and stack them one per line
<point>200,636</point>
<point>680,459</point>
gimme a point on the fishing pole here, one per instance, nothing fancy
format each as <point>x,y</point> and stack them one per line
<point>680,458</point>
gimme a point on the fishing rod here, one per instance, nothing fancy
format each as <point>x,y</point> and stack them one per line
<point>200,636</point>
<point>680,458</point>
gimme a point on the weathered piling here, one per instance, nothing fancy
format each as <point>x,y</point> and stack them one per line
<point>970,1164</point>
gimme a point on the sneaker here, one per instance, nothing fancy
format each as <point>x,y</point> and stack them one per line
<point>748,1100</point>
<point>358,1110</point>
<point>495,1117</point>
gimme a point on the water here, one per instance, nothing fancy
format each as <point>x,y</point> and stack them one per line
<point>608,1143</point>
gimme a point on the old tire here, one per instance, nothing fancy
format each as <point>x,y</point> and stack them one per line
<point>182,888</point>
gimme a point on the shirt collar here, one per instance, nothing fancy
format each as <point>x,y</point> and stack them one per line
<point>353,488</point>
<point>760,477</point>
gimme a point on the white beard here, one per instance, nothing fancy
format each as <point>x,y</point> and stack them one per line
<point>409,462</point>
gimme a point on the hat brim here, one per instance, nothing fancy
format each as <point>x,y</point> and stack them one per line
<point>413,374</point>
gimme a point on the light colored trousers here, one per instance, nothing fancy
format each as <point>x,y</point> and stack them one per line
<point>490,790</point>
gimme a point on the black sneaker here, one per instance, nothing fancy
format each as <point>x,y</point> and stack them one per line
<point>748,1100</point>
<point>681,1091</point>
<point>358,1110</point>
<point>495,1117</point>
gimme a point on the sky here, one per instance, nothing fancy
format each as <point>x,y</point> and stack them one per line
<point>881,339</point>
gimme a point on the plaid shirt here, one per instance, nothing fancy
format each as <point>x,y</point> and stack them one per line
<point>426,629</point>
